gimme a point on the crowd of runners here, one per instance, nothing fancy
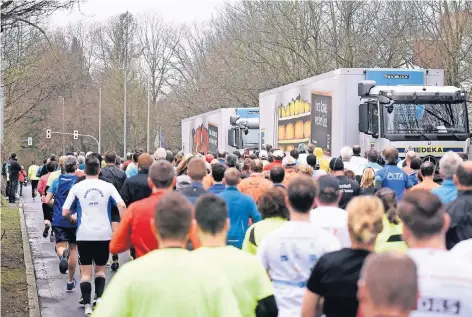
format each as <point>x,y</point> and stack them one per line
<point>260,234</point>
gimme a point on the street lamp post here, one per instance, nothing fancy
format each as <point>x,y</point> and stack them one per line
<point>63,125</point>
<point>148,112</point>
<point>124,116</point>
<point>100,121</point>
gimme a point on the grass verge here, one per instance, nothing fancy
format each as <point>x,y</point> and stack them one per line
<point>14,289</point>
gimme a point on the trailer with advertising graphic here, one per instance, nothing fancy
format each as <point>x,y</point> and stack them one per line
<point>229,129</point>
<point>375,108</point>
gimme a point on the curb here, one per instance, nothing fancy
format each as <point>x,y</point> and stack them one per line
<point>33,302</point>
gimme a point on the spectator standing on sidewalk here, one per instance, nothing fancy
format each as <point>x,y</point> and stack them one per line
<point>14,169</point>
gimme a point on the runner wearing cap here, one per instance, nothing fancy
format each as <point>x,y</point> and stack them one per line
<point>278,157</point>
<point>327,213</point>
<point>251,285</point>
<point>348,187</point>
<point>290,164</point>
<point>263,155</point>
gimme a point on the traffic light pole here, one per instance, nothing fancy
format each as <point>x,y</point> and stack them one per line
<point>85,135</point>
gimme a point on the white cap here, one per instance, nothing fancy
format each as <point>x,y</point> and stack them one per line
<point>263,154</point>
<point>278,154</point>
<point>289,161</point>
<point>160,154</point>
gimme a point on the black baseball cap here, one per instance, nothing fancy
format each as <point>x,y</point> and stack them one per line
<point>328,184</point>
<point>336,164</point>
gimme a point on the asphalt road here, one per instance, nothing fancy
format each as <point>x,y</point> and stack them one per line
<point>54,301</point>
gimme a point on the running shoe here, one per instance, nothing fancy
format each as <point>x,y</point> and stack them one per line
<point>63,263</point>
<point>96,301</point>
<point>46,231</point>
<point>71,286</point>
<point>51,237</point>
<point>115,266</point>
<point>88,310</point>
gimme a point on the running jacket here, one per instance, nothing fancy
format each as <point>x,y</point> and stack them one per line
<point>60,188</point>
<point>241,208</point>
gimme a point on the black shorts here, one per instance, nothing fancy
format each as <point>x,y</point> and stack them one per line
<point>64,234</point>
<point>115,214</point>
<point>96,252</point>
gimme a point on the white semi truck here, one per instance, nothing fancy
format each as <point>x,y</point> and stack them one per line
<point>375,108</point>
<point>229,129</point>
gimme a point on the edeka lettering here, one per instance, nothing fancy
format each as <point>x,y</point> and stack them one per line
<point>426,149</point>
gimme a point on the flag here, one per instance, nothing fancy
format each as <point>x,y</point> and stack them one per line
<point>161,137</point>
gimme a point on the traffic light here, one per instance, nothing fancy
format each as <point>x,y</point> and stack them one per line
<point>76,135</point>
<point>48,134</point>
<point>30,141</point>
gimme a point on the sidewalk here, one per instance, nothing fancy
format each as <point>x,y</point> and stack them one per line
<point>53,299</point>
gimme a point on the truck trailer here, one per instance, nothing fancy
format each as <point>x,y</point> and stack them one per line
<point>228,129</point>
<point>409,109</point>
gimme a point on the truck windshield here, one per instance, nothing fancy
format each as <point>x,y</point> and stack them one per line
<point>437,118</point>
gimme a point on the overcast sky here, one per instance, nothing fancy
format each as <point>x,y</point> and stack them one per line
<point>177,11</point>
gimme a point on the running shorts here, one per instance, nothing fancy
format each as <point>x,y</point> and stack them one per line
<point>115,214</point>
<point>96,252</point>
<point>64,234</point>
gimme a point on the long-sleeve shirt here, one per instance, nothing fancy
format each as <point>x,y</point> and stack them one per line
<point>32,171</point>
<point>241,208</point>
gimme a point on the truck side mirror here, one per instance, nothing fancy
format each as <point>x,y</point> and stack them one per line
<point>363,118</point>
<point>231,138</point>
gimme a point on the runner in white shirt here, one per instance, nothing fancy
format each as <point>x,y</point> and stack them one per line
<point>445,279</point>
<point>327,214</point>
<point>347,158</point>
<point>357,160</point>
<point>290,252</point>
<point>92,198</point>
<point>464,250</point>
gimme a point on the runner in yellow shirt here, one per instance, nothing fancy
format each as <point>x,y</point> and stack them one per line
<point>169,281</point>
<point>250,282</point>
<point>32,170</point>
<point>274,213</point>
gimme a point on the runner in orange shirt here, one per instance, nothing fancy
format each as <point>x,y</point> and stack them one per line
<point>135,228</point>
<point>255,185</point>
<point>290,165</point>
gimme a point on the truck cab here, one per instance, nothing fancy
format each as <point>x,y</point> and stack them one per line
<point>244,129</point>
<point>430,120</point>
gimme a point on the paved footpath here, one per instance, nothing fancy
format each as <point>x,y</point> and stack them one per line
<point>53,299</point>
